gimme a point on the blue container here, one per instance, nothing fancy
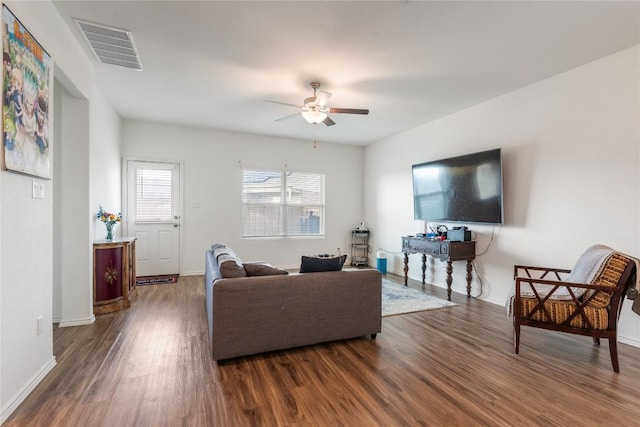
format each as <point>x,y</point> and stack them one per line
<point>381,262</point>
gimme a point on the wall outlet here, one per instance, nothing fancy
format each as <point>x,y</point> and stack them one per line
<point>40,323</point>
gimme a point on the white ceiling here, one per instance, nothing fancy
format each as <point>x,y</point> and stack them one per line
<point>211,64</point>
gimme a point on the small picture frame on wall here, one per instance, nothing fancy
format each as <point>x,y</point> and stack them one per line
<point>27,71</point>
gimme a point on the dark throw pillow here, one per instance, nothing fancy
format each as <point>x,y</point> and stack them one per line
<point>231,267</point>
<point>258,269</point>
<point>311,264</point>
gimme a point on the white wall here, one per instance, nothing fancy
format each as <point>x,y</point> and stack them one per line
<point>106,162</point>
<point>73,258</point>
<point>571,162</point>
<point>27,225</point>
<point>26,285</point>
<point>88,174</point>
<point>213,182</point>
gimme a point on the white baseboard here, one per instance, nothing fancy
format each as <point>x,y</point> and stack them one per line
<point>28,388</point>
<point>622,339</point>
<point>496,302</point>
<point>629,341</point>
<point>77,322</point>
<point>193,273</point>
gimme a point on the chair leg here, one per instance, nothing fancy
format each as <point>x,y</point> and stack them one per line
<point>516,337</point>
<point>596,340</point>
<point>613,349</point>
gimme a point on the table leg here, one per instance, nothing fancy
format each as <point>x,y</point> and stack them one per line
<point>406,268</point>
<point>424,267</point>
<point>469,266</point>
<point>449,278</point>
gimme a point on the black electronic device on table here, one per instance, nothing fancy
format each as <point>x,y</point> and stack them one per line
<point>459,234</point>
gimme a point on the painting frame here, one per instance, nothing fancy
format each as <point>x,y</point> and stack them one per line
<point>27,107</point>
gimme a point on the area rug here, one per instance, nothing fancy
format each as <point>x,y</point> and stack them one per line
<point>156,280</point>
<point>400,299</point>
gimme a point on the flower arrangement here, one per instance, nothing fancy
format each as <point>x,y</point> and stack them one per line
<point>107,217</point>
<point>110,219</point>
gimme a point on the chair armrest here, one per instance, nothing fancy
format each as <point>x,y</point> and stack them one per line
<point>545,294</point>
<point>560,283</point>
<point>528,270</point>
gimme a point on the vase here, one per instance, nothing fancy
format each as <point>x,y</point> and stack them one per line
<point>109,230</point>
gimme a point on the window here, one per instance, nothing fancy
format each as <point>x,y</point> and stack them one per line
<point>282,203</point>
<point>153,195</point>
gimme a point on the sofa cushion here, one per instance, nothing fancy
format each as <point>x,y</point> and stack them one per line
<point>223,250</point>
<point>216,246</point>
<point>317,264</point>
<point>231,267</point>
<point>261,269</point>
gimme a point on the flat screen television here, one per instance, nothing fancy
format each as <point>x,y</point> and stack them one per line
<point>459,189</point>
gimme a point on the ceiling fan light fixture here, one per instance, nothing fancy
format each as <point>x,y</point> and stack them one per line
<point>314,109</point>
<point>314,116</point>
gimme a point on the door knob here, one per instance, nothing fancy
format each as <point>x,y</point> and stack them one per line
<point>175,224</point>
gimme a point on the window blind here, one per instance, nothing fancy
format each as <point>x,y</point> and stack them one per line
<point>282,203</point>
<point>153,195</point>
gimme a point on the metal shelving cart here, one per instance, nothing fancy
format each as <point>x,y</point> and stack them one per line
<point>359,247</point>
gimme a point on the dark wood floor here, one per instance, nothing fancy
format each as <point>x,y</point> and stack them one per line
<point>149,365</point>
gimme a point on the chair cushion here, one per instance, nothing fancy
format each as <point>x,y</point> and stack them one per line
<point>561,310</point>
<point>610,276</point>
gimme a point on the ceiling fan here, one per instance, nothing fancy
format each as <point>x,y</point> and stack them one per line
<point>315,110</point>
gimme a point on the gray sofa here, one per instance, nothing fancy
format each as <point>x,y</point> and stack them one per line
<point>251,315</point>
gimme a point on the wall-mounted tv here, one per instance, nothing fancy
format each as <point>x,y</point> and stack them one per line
<point>459,189</point>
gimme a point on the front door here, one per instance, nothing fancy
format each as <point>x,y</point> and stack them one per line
<point>153,216</point>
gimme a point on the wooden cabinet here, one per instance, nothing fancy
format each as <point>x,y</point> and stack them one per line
<point>114,274</point>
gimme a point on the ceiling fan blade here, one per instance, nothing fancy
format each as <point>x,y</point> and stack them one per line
<point>328,121</point>
<point>282,103</point>
<point>290,116</point>
<point>349,110</point>
<point>322,97</point>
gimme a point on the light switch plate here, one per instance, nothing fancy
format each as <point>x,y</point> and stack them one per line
<point>37,191</point>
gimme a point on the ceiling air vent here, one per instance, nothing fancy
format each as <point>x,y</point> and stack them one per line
<point>111,45</point>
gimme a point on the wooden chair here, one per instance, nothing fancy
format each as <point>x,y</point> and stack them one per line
<point>590,309</point>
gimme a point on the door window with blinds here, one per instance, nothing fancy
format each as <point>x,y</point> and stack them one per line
<point>282,203</point>
<point>153,196</point>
